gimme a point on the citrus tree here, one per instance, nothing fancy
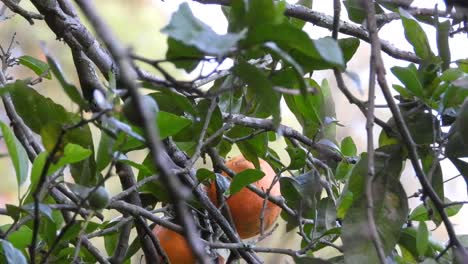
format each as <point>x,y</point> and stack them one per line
<point>326,192</point>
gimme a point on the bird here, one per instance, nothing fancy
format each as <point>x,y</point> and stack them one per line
<point>460,6</point>
<point>461,10</point>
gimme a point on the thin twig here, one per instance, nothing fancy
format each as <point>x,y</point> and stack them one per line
<point>373,232</point>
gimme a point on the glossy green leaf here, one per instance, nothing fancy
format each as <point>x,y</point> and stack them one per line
<point>188,29</point>
<point>409,77</point>
<point>289,60</point>
<point>290,190</point>
<point>111,240</point>
<point>39,112</point>
<point>348,148</point>
<point>17,153</point>
<point>329,50</point>
<point>105,151</point>
<point>205,174</point>
<point>408,241</point>
<point>419,213</point>
<point>37,66</point>
<point>21,237</point>
<point>415,35</point>
<point>182,55</point>
<point>326,215</point>
<point>390,211</point>
<point>356,10</point>
<point>349,47</point>
<point>422,238</point>
<point>266,99</point>
<point>243,179</point>
<point>344,203</point>
<point>68,88</point>
<point>252,14</point>
<point>390,206</point>
<point>297,157</point>
<point>72,153</point>
<point>170,124</point>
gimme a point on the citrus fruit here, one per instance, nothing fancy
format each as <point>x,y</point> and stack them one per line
<point>175,246</point>
<point>246,206</point>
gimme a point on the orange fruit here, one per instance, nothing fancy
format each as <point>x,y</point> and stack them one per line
<point>246,206</point>
<point>176,247</point>
<point>174,244</point>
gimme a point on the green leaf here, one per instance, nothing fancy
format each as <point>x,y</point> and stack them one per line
<point>348,148</point>
<point>37,66</point>
<point>390,211</point>
<point>297,157</point>
<point>172,102</point>
<point>309,111</point>
<point>407,241</point>
<point>68,88</point>
<point>243,179</point>
<point>105,151</point>
<point>183,56</point>
<point>18,154</point>
<point>251,14</point>
<point>344,203</point>
<point>188,29</point>
<point>349,47</point>
<point>170,124</point>
<point>290,190</point>
<point>37,167</point>
<point>72,153</point>
<point>326,215</point>
<point>342,170</point>
<point>356,10</point>
<point>419,213</point>
<point>422,238</point>
<point>409,77</point>
<point>431,163</point>
<point>10,255</point>
<point>20,238</point>
<point>192,133</point>
<point>390,207</point>
<point>265,97</point>
<point>453,209</point>
<point>330,51</point>
<point>254,148</point>
<point>289,60</point>
<point>415,35</point>
<point>111,240</point>
<point>205,174</point>
<point>47,118</point>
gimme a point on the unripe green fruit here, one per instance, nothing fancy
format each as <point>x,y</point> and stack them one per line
<point>130,112</point>
<point>99,199</point>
